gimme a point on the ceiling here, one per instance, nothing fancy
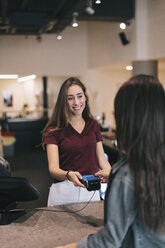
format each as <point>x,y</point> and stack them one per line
<point>34,17</point>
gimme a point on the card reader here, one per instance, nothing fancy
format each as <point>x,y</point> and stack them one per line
<point>91,182</point>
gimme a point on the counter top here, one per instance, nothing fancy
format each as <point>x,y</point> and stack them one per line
<point>53,227</point>
<point>23,119</point>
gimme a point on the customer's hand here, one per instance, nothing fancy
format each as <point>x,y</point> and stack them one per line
<point>103,174</point>
<point>75,177</point>
<point>72,245</point>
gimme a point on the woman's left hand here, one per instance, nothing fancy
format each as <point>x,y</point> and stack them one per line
<point>72,245</point>
<point>103,174</point>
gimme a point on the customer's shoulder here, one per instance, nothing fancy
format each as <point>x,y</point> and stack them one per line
<point>122,171</point>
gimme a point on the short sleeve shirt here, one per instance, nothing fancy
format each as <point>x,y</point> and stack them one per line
<point>77,151</point>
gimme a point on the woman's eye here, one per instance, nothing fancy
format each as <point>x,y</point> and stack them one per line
<point>80,96</point>
<point>70,98</point>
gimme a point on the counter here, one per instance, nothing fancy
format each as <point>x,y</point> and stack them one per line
<point>27,132</point>
<point>46,229</point>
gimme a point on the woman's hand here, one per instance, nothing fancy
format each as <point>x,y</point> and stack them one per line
<point>103,163</point>
<point>75,177</point>
<point>72,245</point>
<point>103,174</point>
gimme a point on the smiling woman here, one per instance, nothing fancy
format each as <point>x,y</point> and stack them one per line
<point>74,146</point>
<point>76,100</point>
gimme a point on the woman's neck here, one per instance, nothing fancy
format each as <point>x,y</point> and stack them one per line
<point>77,123</point>
<point>76,119</point>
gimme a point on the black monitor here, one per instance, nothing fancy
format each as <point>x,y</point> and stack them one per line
<point>12,190</point>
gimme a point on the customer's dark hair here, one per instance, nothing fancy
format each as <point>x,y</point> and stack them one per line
<point>60,116</point>
<point>140,130</point>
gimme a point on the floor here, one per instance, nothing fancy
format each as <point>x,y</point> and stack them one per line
<point>33,166</point>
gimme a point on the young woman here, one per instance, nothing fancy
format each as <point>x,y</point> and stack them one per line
<point>135,198</point>
<point>74,146</point>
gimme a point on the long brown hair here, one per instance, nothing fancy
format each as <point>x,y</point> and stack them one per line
<point>140,130</point>
<point>60,116</point>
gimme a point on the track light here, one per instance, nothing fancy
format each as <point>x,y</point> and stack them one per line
<point>97,1</point>
<point>59,36</point>
<point>74,21</point>
<point>89,8</point>
<point>122,25</point>
<point>123,38</point>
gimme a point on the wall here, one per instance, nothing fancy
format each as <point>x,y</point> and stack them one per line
<point>105,47</point>
<point>30,92</point>
<point>146,35</point>
<point>22,93</point>
<point>102,85</point>
<point>156,34</point>
<point>91,45</point>
<point>24,55</point>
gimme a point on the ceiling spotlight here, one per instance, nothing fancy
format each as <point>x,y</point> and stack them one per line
<point>89,8</point>
<point>122,25</point>
<point>129,67</point>
<point>97,1</point>
<point>59,36</point>
<point>74,21</point>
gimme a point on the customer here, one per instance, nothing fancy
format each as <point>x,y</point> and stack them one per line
<point>135,201</point>
<point>74,146</point>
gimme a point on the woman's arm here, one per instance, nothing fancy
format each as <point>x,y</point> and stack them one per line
<point>103,162</point>
<point>54,167</point>
<point>53,162</point>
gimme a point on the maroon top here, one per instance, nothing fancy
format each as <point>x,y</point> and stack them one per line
<point>77,152</point>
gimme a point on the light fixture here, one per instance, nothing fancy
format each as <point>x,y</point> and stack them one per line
<point>27,78</point>
<point>74,20</point>
<point>8,76</point>
<point>97,1</point>
<point>129,67</point>
<point>59,36</point>
<point>123,38</point>
<point>122,25</point>
<point>89,9</point>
